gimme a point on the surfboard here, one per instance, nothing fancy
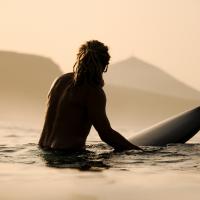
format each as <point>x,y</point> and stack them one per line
<point>176,129</point>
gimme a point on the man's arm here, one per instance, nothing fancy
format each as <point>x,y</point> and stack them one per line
<point>96,103</point>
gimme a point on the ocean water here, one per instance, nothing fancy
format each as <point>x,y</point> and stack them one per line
<point>27,172</point>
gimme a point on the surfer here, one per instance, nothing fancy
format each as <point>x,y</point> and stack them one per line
<point>77,101</point>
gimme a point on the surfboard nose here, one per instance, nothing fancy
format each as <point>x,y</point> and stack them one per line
<point>177,129</point>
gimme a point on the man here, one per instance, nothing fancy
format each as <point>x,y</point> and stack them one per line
<point>77,101</point>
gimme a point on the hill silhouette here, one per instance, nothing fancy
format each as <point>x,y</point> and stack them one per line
<point>24,82</point>
<point>26,74</point>
<point>138,74</point>
<point>138,94</point>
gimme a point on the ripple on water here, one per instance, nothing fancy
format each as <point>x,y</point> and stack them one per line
<point>100,156</point>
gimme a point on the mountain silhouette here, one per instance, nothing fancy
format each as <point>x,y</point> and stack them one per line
<point>28,75</point>
<point>24,83</point>
<point>138,94</point>
<point>137,74</point>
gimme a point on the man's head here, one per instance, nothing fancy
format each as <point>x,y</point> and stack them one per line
<point>92,60</point>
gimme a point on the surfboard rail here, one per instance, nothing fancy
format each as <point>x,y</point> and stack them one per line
<point>176,129</point>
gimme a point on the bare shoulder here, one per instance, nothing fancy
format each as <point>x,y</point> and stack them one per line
<point>60,83</point>
<point>96,93</point>
<point>64,77</point>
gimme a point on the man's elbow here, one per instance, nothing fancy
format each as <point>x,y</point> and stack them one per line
<point>105,135</point>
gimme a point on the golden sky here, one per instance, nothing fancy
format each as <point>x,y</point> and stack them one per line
<point>162,32</point>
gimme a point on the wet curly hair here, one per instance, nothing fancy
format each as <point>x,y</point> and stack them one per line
<point>92,60</point>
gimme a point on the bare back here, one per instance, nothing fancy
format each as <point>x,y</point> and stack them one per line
<point>70,114</point>
<point>67,124</point>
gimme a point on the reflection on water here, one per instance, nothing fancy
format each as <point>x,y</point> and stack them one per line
<point>86,160</point>
<point>20,146</point>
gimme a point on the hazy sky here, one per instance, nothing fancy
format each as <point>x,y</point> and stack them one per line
<point>162,32</point>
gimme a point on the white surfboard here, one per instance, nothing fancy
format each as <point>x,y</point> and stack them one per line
<point>177,129</point>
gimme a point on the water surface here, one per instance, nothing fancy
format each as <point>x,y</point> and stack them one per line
<point>22,161</point>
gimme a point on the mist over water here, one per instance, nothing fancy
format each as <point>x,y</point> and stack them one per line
<point>98,172</point>
<point>19,146</point>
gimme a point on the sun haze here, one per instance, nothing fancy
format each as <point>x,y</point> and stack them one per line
<point>164,33</point>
